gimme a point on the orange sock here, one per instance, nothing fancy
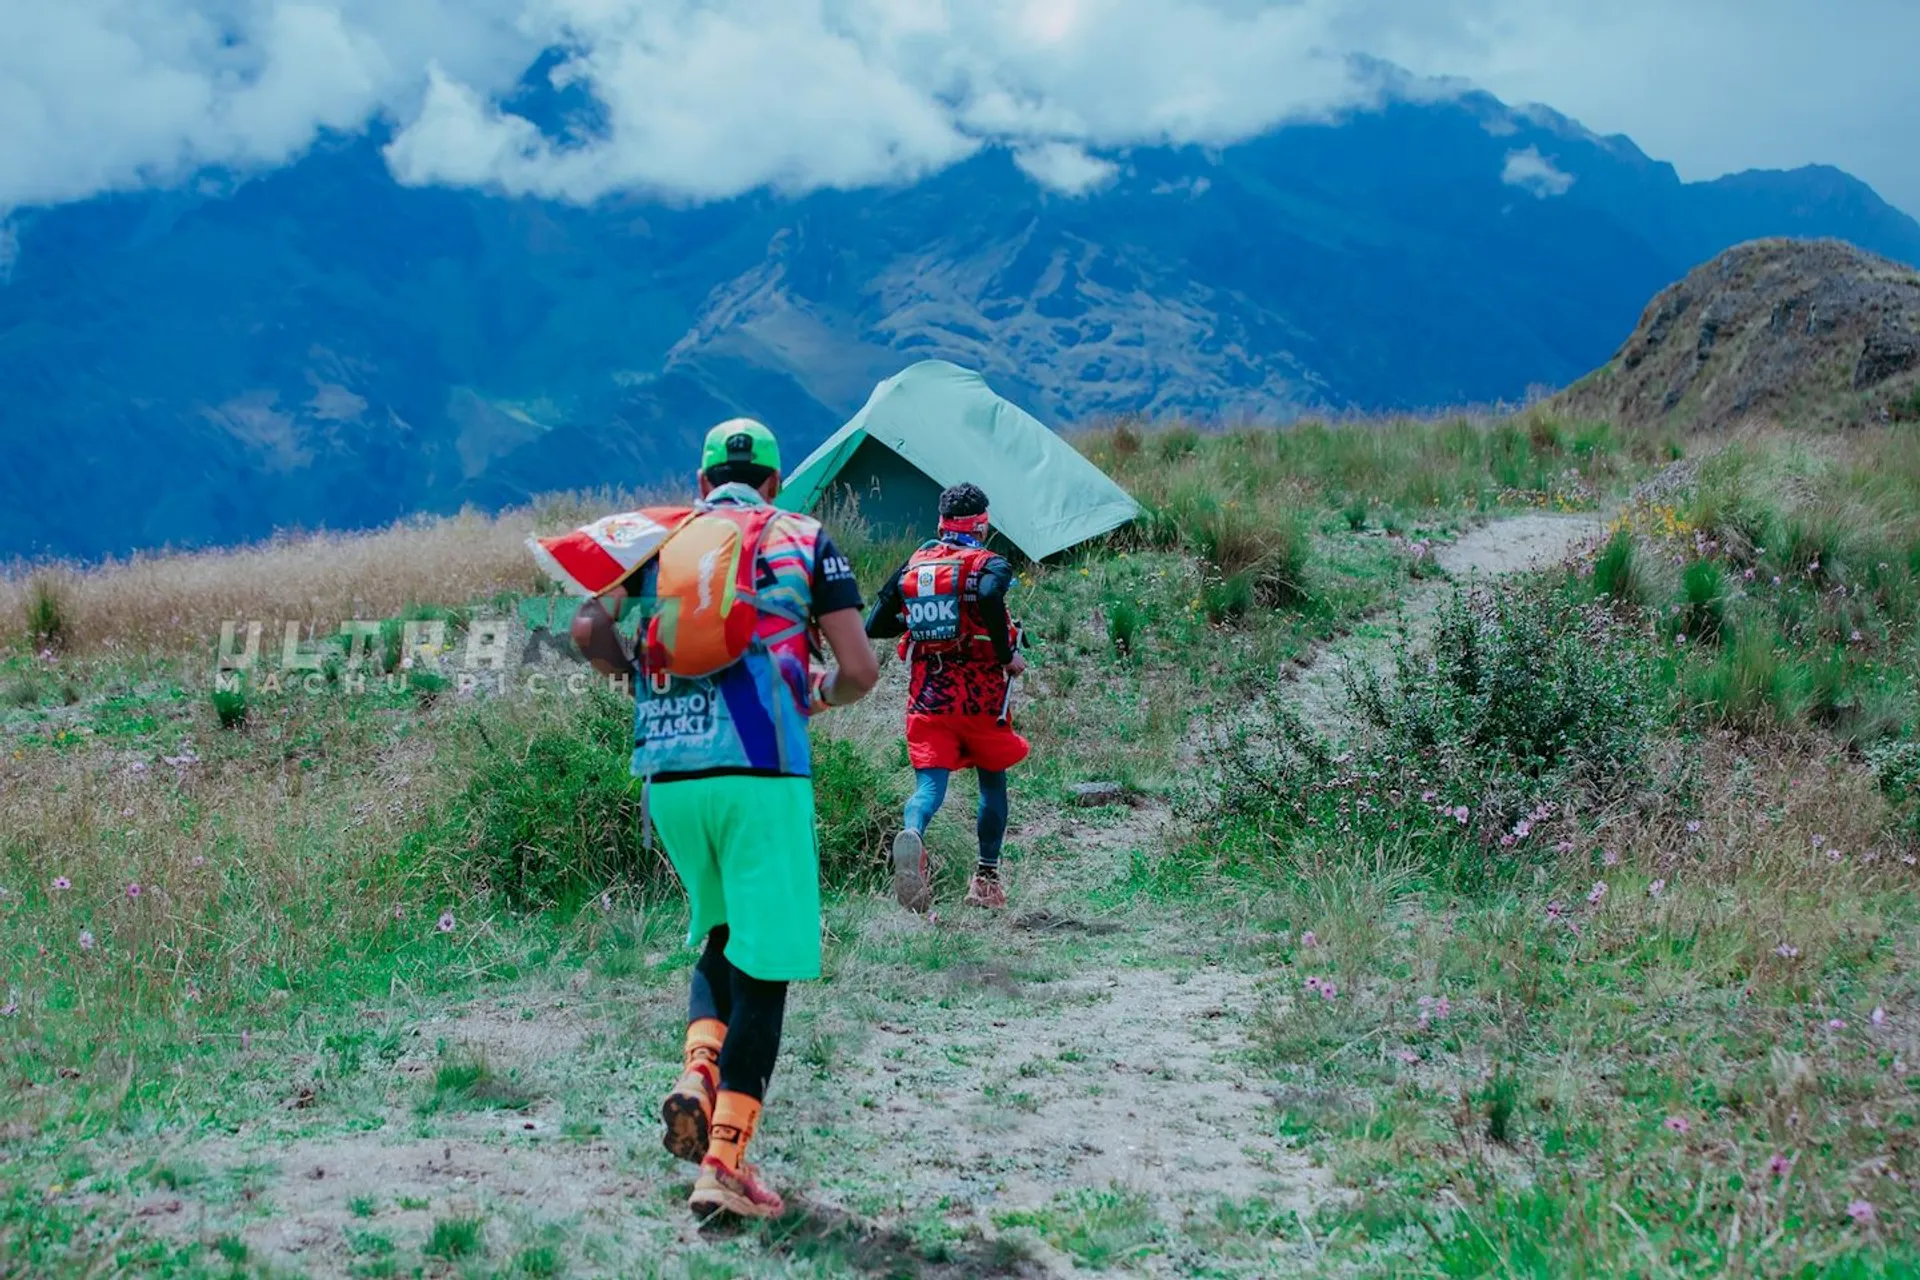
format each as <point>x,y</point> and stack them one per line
<point>704,1039</point>
<point>735,1116</point>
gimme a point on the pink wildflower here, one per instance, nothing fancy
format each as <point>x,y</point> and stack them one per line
<point>1409,1057</point>
<point>1861,1211</point>
<point>1308,939</point>
<point>606,902</point>
<point>446,922</point>
<point>1836,1024</point>
<point>1878,1017</point>
<point>1426,797</point>
<point>1819,840</point>
<point>1779,1165</point>
<point>11,1008</point>
<point>1776,579</point>
<point>86,940</point>
<point>1555,911</point>
<point>399,913</point>
<point>1693,828</point>
<point>1461,813</point>
<point>1596,893</point>
<point>1523,828</point>
<point>1855,637</point>
<point>1657,888</point>
<point>127,812</point>
<point>1787,951</point>
<point>1328,991</point>
<point>61,884</point>
<point>1834,855</point>
<point>1506,842</point>
<point>1678,1124</point>
<point>1608,858</point>
<point>1565,846</point>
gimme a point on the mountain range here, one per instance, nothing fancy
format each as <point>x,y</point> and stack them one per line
<point>321,346</point>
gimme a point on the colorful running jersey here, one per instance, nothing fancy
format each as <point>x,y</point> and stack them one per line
<point>752,716</point>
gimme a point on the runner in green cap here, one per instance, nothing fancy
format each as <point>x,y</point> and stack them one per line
<point>731,793</point>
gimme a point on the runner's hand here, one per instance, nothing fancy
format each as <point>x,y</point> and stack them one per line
<point>1016,667</point>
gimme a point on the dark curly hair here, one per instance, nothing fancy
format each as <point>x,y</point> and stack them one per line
<point>963,500</point>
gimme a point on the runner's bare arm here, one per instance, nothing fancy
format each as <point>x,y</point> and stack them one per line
<point>855,671</point>
<point>594,636</point>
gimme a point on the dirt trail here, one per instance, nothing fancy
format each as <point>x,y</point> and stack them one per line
<point>1011,1086</point>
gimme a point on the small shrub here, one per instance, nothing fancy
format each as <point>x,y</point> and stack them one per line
<point>1124,622</point>
<point>1520,676</point>
<point>1748,685</point>
<point>1617,574</point>
<point>1177,442</point>
<point>1228,599</point>
<point>555,819</point>
<point>1355,513</point>
<point>455,1238</point>
<point>1703,602</point>
<point>469,1084</point>
<point>1501,1098</point>
<point>230,707</point>
<point>1896,769</point>
<point>1158,527</point>
<point>49,614</point>
<point>856,804</point>
<point>25,692</point>
<point>427,686</point>
<point>1230,538</point>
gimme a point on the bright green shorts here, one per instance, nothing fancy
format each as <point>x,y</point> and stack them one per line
<point>744,848</point>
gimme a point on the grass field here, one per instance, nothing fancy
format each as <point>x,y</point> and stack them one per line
<point>1580,945</point>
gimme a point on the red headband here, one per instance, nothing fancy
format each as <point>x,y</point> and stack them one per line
<point>973,526</point>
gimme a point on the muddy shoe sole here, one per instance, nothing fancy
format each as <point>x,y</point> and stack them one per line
<point>686,1122</point>
<point>910,888</point>
<point>713,1202</point>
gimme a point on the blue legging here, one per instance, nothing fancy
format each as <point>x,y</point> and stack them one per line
<point>931,792</point>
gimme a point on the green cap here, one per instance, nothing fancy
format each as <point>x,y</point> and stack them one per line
<point>740,440</point>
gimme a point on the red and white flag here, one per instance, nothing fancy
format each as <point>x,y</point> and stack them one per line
<point>596,557</point>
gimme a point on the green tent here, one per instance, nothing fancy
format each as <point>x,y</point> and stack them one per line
<point>935,424</point>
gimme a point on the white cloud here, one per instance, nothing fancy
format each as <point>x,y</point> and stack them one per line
<point>706,98</point>
<point>1531,171</point>
<point>1065,168</point>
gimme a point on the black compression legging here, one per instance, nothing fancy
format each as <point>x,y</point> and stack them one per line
<point>753,1010</point>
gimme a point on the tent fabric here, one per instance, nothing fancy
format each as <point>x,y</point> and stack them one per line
<point>948,426</point>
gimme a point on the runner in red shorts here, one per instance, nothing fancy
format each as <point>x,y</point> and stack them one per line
<point>948,604</point>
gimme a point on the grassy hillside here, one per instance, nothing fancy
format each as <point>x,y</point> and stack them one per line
<point>1580,944</point>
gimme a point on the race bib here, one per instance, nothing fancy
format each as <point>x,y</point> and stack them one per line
<point>931,594</point>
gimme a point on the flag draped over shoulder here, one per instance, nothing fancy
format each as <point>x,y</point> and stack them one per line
<point>594,558</point>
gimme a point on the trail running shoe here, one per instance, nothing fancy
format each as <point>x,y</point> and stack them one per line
<point>911,887</point>
<point>687,1112</point>
<point>988,892</point>
<point>736,1191</point>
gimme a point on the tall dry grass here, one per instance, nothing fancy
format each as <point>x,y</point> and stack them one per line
<point>177,602</point>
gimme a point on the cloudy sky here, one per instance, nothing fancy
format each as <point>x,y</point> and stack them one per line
<point>706,98</point>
